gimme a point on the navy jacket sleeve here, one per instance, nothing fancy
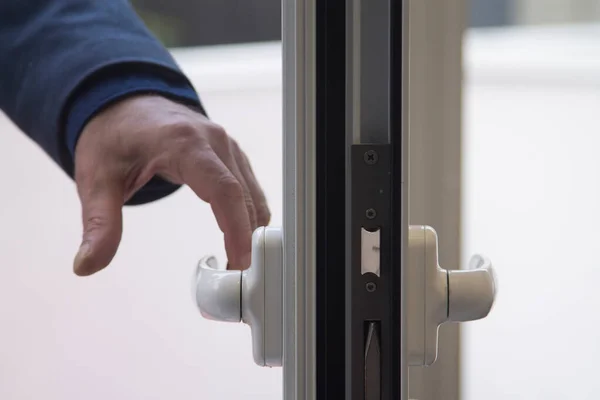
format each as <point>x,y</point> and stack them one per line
<point>62,61</point>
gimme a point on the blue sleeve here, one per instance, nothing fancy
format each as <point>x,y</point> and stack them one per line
<point>62,61</point>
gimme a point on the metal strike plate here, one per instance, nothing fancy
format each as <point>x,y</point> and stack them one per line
<point>368,289</point>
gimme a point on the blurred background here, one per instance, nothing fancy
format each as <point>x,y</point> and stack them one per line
<point>209,22</point>
<point>531,190</point>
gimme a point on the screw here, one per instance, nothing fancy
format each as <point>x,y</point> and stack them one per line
<point>371,213</point>
<point>371,287</point>
<point>371,157</point>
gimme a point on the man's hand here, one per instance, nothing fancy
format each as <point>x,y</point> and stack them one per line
<point>127,144</point>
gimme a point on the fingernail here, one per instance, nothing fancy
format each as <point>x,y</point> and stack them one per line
<point>82,254</point>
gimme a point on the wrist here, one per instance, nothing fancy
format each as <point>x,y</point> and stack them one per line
<point>102,92</point>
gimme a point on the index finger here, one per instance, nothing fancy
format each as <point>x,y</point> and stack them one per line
<point>213,182</point>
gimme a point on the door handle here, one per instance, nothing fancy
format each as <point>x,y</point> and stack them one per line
<point>472,291</point>
<point>253,296</point>
<point>217,291</point>
<point>434,295</point>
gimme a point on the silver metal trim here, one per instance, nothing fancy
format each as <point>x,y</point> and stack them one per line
<point>436,37</point>
<point>353,77</point>
<point>368,73</point>
<point>299,183</point>
<point>405,187</point>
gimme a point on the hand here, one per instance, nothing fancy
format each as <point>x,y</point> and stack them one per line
<point>127,144</point>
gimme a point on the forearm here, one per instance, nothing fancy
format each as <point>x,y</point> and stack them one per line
<point>63,61</point>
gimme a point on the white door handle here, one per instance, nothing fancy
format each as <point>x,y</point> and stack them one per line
<point>253,296</point>
<point>217,291</point>
<point>436,295</point>
<point>472,291</point>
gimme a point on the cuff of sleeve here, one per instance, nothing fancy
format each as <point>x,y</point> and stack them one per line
<point>108,90</point>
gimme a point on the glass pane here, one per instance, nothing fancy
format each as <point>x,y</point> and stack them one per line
<point>531,189</point>
<point>532,12</point>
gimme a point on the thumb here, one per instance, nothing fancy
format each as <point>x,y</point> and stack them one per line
<point>101,205</point>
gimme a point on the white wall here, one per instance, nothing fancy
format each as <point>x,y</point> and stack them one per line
<point>532,203</point>
<point>130,332</point>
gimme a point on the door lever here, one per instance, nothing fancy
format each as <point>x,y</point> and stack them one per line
<point>434,296</point>
<point>253,296</point>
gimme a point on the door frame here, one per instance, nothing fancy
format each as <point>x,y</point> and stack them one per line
<point>435,113</point>
<point>435,96</point>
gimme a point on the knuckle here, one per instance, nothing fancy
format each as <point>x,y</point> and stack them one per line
<point>218,134</point>
<point>95,223</point>
<point>182,139</point>
<point>250,203</point>
<point>184,133</point>
<point>228,186</point>
<point>249,200</point>
<point>236,147</point>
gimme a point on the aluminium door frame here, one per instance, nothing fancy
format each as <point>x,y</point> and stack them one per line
<point>435,114</point>
<point>301,361</point>
<point>299,208</point>
<point>435,42</point>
